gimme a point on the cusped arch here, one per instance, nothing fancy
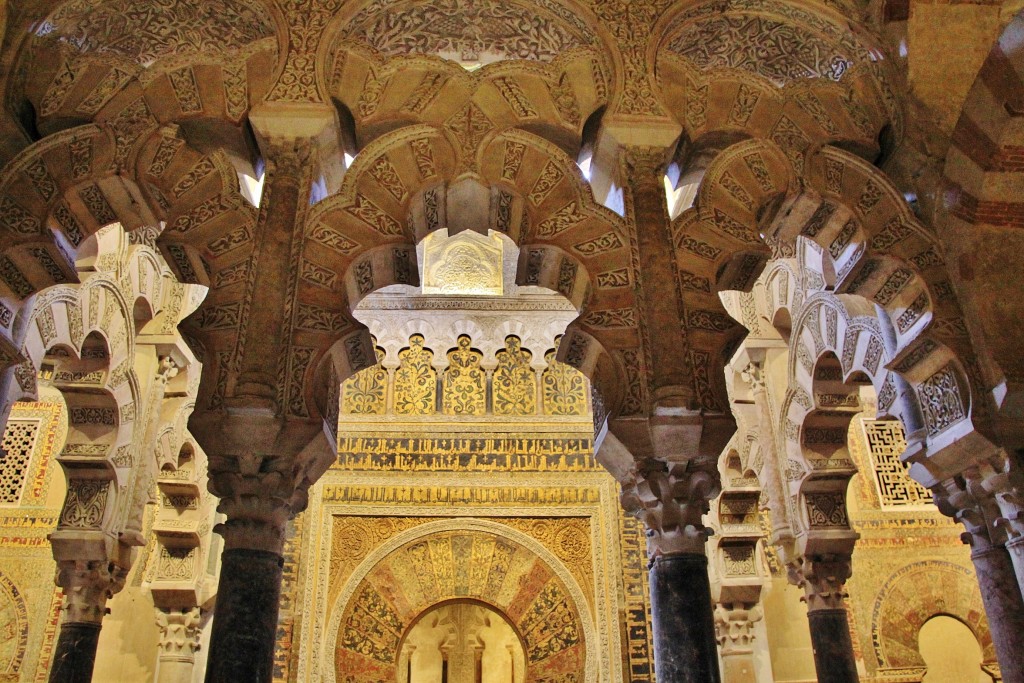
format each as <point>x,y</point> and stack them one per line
<point>398,191</point>
<point>94,59</point>
<point>870,245</point>
<point>780,70</point>
<point>516,576</point>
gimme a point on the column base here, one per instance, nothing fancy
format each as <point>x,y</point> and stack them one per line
<point>75,655</point>
<point>685,650</point>
<point>245,619</point>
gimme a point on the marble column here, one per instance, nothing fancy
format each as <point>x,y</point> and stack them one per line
<point>967,501</point>
<point>1003,606</point>
<point>671,499</point>
<point>179,640</point>
<point>823,580</point>
<point>87,587</point>
<point>255,501</point>
<point>1006,488</point>
<point>772,467</point>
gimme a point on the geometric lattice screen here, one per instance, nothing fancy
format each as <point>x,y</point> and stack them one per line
<point>18,442</point>
<point>885,445</point>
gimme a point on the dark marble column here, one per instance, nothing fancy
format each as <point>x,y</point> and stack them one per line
<point>1004,607</point>
<point>823,580</point>
<point>75,654</point>
<point>833,649</point>
<point>671,499</point>
<point>685,650</point>
<point>245,618</point>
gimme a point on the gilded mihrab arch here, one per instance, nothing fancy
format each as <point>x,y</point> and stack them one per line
<point>459,560</point>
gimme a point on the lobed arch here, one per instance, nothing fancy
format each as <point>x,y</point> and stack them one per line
<point>82,340</point>
<point>397,192</point>
<point>208,221</point>
<point>548,571</point>
<point>61,201</point>
<point>97,60</point>
<point>870,245</point>
<point>553,100</point>
<point>808,64</point>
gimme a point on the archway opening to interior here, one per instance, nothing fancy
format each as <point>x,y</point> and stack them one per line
<point>951,652</point>
<point>461,642</point>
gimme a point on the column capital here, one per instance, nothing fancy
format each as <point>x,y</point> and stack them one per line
<point>1006,487</point>
<point>87,587</point>
<point>671,500</point>
<point>258,495</point>
<point>179,632</point>
<point>968,502</point>
<point>646,162</point>
<point>823,579</point>
<point>734,626</point>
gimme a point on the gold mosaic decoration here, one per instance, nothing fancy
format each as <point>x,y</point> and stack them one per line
<point>512,390</point>
<point>565,392</point>
<point>459,565</point>
<point>415,380</point>
<point>514,382</point>
<point>465,383</point>
<point>365,393</point>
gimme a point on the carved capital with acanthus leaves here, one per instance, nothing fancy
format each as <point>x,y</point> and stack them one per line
<point>671,500</point>
<point>180,630</point>
<point>87,587</point>
<point>734,627</point>
<point>968,502</point>
<point>753,374</point>
<point>258,495</point>
<point>1006,487</point>
<point>646,162</point>
<point>823,579</point>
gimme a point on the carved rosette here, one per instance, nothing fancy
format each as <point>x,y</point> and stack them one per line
<point>671,500</point>
<point>823,579</point>
<point>87,587</point>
